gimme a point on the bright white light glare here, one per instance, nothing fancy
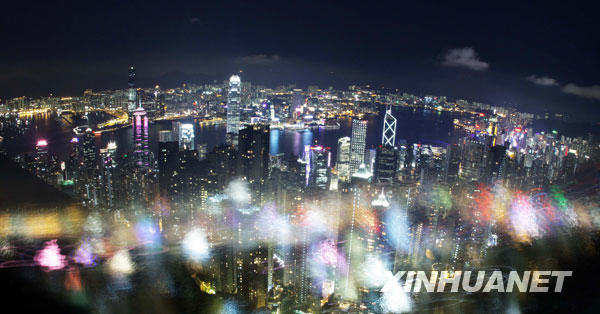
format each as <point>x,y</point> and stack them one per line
<point>394,299</point>
<point>121,264</point>
<point>237,190</point>
<point>374,272</point>
<point>195,245</point>
<point>93,224</point>
<point>111,145</point>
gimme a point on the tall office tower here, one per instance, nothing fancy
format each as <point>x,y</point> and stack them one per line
<point>473,159</point>
<point>357,144</point>
<point>385,164</point>
<point>186,137</point>
<point>569,166</point>
<point>202,151</point>
<point>73,164</point>
<point>495,161</point>
<point>159,104</point>
<point>452,163</point>
<point>89,151</point>
<point>131,92</point>
<point>41,158</point>
<point>388,138</point>
<point>90,166</point>
<point>296,105</point>
<point>360,190</point>
<point>320,166</point>
<point>378,231</point>
<point>168,150</point>
<point>385,158</point>
<point>233,109</point>
<point>343,159</point>
<point>402,154</point>
<point>254,152</point>
<point>141,151</point>
<point>109,166</point>
<point>165,136</point>
<point>370,155</point>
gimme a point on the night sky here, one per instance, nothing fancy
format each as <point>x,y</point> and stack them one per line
<point>537,57</point>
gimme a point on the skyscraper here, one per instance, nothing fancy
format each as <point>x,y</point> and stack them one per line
<point>385,164</point>
<point>108,171</point>
<point>296,106</point>
<point>389,128</point>
<point>141,152</point>
<point>343,159</point>
<point>89,151</point>
<point>233,109</point>
<point>165,136</point>
<point>90,166</point>
<point>254,152</point>
<point>168,150</point>
<point>320,161</point>
<point>473,159</point>
<point>131,92</point>
<point>186,136</point>
<point>386,159</point>
<point>452,163</point>
<point>41,159</point>
<point>254,158</point>
<point>357,144</point>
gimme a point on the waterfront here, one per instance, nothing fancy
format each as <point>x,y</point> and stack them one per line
<point>414,125</point>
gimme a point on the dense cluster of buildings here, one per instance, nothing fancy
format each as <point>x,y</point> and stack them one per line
<point>393,201</point>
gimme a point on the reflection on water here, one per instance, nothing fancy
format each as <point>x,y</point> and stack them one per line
<point>415,126</point>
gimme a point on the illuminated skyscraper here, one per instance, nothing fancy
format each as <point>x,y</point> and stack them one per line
<point>90,166</point>
<point>296,106</point>
<point>141,151</point>
<point>343,159</point>
<point>131,92</point>
<point>41,158</point>
<point>388,137</point>
<point>186,137</point>
<point>357,144</point>
<point>385,160</point>
<point>89,151</point>
<point>233,109</point>
<point>254,154</point>
<point>360,192</point>
<point>452,163</point>
<point>385,164</point>
<point>320,162</point>
<point>168,150</point>
<point>108,171</point>
<point>165,136</point>
<point>473,159</point>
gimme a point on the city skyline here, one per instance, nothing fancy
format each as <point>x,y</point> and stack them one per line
<point>311,157</point>
<point>540,66</point>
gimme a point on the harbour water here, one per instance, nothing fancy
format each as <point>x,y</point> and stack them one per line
<point>414,126</point>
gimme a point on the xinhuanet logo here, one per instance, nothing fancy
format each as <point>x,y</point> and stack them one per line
<point>476,281</point>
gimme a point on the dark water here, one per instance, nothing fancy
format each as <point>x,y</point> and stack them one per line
<point>571,129</point>
<point>415,126</point>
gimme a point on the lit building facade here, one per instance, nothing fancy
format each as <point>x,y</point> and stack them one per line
<point>233,109</point>
<point>343,159</point>
<point>357,144</point>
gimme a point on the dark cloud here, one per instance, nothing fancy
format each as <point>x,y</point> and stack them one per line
<point>260,59</point>
<point>592,92</point>
<point>542,80</point>
<point>464,58</point>
<point>91,44</point>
